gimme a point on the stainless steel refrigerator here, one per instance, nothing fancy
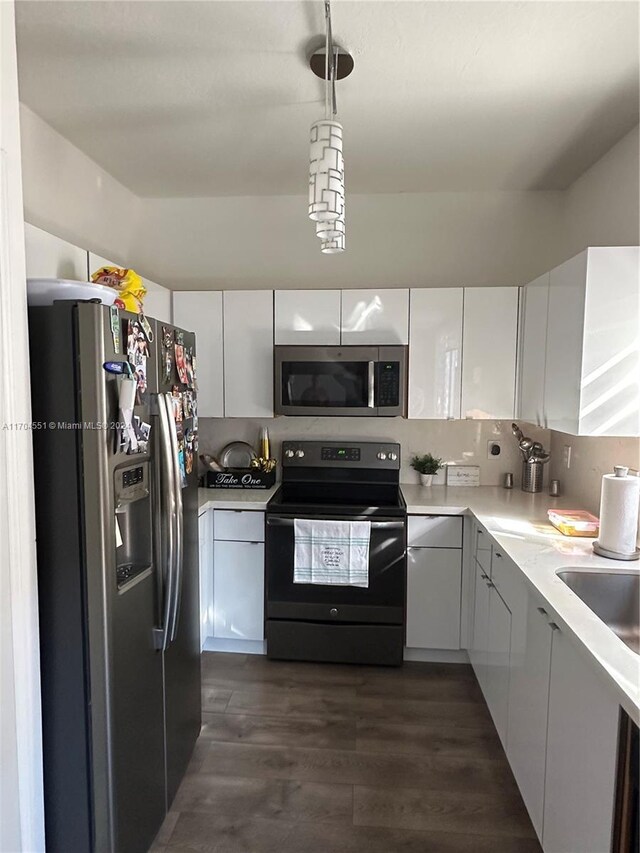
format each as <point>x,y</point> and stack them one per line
<point>117,543</point>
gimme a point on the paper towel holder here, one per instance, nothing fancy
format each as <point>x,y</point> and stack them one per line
<point>619,471</point>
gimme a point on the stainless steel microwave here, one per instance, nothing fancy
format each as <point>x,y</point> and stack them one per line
<point>348,381</point>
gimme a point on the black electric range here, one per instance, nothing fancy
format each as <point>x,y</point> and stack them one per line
<point>351,481</point>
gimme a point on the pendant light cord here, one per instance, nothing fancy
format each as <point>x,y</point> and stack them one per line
<point>329,68</point>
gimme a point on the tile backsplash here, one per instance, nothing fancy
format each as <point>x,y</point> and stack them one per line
<point>462,442</point>
<point>591,457</point>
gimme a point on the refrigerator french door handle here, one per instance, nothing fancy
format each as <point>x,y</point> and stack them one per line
<point>167,521</point>
<point>179,525</point>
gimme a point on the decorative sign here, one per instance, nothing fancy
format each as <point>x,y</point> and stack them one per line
<point>240,478</point>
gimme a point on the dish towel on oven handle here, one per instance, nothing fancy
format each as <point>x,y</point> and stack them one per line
<point>331,552</point>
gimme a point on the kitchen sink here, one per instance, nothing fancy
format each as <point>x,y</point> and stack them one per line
<point>614,597</point>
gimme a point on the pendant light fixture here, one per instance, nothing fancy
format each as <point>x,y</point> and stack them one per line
<point>326,162</point>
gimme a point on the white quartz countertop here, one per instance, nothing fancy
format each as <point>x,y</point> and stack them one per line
<point>234,498</point>
<point>518,522</point>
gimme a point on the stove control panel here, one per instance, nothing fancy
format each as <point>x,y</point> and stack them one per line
<point>341,454</point>
<point>334,454</point>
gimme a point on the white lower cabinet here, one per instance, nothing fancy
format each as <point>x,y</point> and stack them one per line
<point>497,673</point>
<point>434,577</point>
<point>581,755</point>
<point>530,662</point>
<point>552,710</point>
<point>205,538</point>
<point>238,590</point>
<point>478,649</point>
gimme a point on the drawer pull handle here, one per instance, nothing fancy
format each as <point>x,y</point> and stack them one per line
<point>543,611</point>
<point>334,611</point>
<point>553,626</point>
<point>498,555</point>
<point>491,585</point>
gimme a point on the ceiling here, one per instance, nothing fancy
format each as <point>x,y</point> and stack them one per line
<point>214,98</point>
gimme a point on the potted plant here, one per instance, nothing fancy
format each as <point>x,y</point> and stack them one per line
<point>426,466</point>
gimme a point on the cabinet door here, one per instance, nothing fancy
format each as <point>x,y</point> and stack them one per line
<point>489,352</point>
<point>498,648</point>
<point>47,256</point>
<point>307,317</point>
<point>375,316</point>
<point>435,352</point>
<point>611,341</point>
<point>581,754</point>
<point>479,638</point>
<point>248,353</point>
<point>434,577</point>
<point>564,344</point>
<point>205,534</point>
<point>238,590</point>
<point>200,311</point>
<point>533,350</point>
<point>529,664</point>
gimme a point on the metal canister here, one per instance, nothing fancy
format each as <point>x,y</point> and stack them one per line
<point>532,476</point>
<point>554,488</point>
<point>508,480</point>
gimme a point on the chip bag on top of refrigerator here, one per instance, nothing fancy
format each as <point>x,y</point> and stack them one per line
<point>128,284</point>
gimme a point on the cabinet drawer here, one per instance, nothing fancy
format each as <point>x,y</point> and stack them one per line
<point>435,531</point>
<point>238,525</point>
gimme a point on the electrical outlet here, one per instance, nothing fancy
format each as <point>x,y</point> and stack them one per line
<point>494,449</point>
<point>566,456</point>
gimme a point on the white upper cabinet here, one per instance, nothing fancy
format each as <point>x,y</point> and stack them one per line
<point>535,299</point>
<point>307,317</point>
<point>50,257</point>
<point>435,352</point>
<point>489,352</point>
<point>375,316</point>
<point>200,311</point>
<point>248,353</point>
<point>564,344</point>
<point>592,377</point>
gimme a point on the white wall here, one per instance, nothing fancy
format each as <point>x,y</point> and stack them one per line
<point>69,195</point>
<point>21,801</point>
<point>408,240</point>
<point>601,207</point>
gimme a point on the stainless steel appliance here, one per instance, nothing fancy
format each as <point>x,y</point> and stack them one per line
<point>117,580</point>
<point>340,481</point>
<point>350,380</point>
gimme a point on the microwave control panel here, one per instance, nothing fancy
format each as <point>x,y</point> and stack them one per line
<point>387,383</point>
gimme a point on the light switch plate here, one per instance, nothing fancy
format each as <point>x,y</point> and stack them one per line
<point>463,475</point>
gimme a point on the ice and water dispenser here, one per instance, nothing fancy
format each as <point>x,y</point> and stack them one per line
<point>133,520</point>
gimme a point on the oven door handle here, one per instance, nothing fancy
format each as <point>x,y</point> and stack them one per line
<point>274,521</point>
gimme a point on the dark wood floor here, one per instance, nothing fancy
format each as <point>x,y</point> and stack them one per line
<point>313,758</point>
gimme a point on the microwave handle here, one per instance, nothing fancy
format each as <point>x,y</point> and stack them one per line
<point>372,385</point>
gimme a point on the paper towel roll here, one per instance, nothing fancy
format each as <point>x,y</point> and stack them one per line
<point>619,502</point>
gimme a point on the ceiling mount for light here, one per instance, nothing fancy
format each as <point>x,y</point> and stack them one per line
<point>326,163</point>
<point>343,62</point>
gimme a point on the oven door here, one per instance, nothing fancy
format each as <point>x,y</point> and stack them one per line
<point>325,380</point>
<point>382,602</point>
